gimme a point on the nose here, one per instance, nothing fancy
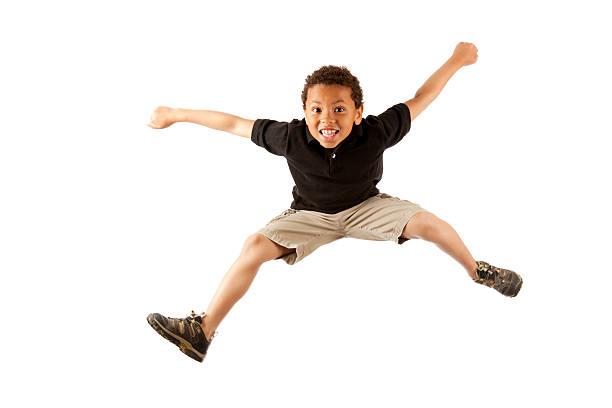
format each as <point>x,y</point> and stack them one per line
<point>327,117</point>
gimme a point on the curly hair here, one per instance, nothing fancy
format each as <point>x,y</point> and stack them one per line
<point>334,75</point>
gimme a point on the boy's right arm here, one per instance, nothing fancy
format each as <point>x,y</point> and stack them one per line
<point>164,116</point>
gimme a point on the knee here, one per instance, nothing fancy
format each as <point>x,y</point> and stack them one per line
<point>259,249</point>
<point>422,225</point>
<point>253,244</point>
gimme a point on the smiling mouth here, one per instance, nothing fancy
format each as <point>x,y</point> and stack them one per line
<point>328,133</point>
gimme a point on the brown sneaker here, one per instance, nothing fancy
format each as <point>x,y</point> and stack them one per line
<point>506,282</point>
<point>186,333</point>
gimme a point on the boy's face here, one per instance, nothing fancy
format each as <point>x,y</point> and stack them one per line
<point>330,113</point>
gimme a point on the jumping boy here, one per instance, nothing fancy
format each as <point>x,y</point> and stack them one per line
<point>335,158</point>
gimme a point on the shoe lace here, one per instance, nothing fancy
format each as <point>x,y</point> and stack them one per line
<point>489,273</point>
<point>199,318</point>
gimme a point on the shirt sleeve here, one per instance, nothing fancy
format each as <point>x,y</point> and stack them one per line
<point>271,135</point>
<point>396,123</point>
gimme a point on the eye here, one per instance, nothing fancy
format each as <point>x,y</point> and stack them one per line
<point>339,107</point>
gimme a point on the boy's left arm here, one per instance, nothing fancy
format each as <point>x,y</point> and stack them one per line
<point>464,54</point>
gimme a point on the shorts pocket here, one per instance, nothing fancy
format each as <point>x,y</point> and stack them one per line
<point>383,195</point>
<point>284,214</point>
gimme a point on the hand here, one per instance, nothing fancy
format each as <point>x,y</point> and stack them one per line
<point>162,117</point>
<point>466,53</point>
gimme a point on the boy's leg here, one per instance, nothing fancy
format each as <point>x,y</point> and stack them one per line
<point>193,334</point>
<point>425,225</point>
<point>257,249</point>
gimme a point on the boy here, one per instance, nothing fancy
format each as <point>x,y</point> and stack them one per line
<point>335,158</point>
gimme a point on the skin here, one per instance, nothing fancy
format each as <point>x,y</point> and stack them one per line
<point>464,54</point>
<point>331,106</point>
<point>257,248</point>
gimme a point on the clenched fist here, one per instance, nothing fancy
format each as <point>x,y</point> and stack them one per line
<point>466,53</point>
<point>162,117</point>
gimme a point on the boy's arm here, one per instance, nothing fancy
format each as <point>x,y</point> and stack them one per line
<point>465,54</point>
<point>163,117</point>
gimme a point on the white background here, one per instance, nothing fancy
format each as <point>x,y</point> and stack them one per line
<point>104,220</point>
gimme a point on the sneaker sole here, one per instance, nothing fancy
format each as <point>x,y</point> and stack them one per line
<point>181,343</point>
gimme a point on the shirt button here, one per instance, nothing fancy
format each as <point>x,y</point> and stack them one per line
<point>334,156</point>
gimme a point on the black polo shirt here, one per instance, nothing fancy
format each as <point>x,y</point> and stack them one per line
<point>332,180</point>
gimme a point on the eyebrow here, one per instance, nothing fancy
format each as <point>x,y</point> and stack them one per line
<point>339,100</point>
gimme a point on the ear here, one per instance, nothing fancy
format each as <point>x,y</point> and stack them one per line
<point>359,114</point>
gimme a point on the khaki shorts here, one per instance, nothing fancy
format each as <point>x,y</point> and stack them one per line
<point>379,218</point>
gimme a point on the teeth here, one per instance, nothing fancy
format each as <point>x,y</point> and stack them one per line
<point>328,133</point>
